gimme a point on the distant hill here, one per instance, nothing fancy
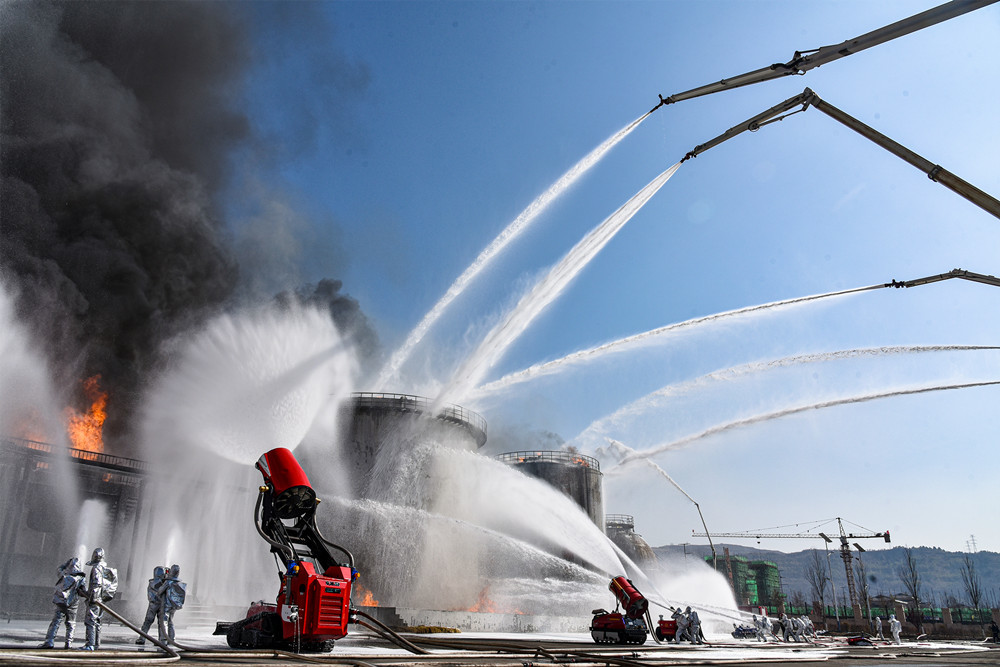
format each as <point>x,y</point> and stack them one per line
<point>940,570</point>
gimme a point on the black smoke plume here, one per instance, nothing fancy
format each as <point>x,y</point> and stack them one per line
<point>345,311</point>
<point>118,122</point>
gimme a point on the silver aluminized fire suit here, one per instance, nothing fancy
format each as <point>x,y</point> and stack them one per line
<point>66,598</point>
<point>95,590</point>
<point>154,610</point>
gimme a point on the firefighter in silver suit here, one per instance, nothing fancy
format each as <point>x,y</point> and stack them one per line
<point>172,592</point>
<point>154,610</point>
<point>95,590</point>
<point>66,598</point>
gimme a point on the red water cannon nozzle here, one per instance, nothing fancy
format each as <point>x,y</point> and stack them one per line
<point>292,495</point>
<point>633,603</point>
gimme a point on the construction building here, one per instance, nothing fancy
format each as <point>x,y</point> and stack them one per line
<point>754,583</point>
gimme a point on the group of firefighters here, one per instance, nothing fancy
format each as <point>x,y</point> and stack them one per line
<point>165,593</point>
<point>795,628</point>
<point>800,628</point>
<point>688,626</point>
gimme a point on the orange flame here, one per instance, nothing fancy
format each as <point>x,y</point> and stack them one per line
<point>85,429</point>
<point>485,604</point>
<point>367,599</point>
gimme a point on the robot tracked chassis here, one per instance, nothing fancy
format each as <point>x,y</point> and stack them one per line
<point>313,605</point>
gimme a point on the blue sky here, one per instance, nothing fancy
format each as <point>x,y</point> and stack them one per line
<point>406,136</point>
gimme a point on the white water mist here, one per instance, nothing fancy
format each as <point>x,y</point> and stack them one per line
<point>92,529</point>
<point>29,405</point>
<point>31,409</point>
<point>245,384</point>
<point>250,382</point>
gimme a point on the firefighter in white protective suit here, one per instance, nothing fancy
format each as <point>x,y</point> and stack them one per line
<point>767,627</point>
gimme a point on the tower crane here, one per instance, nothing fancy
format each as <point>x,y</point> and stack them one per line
<point>845,546</point>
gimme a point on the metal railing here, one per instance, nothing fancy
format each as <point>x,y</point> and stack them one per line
<point>550,456</point>
<point>80,454</point>
<point>409,402</point>
<point>619,521</point>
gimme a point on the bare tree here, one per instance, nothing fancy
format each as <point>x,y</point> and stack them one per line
<point>909,575</point>
<point>816,576</point>
<point>973,588</point>
<point>861,577</point>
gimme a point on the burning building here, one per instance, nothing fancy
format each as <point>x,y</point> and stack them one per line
<point>55,501</point>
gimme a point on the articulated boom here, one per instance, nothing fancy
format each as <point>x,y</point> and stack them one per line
<point>312,608</point>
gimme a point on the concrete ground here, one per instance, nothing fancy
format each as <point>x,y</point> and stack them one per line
<point>19,639</point>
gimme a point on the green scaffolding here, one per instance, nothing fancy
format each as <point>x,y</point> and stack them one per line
<point>754,582</point>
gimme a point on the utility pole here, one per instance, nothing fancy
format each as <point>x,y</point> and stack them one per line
<point>864,586</point>
<point>836,606</point>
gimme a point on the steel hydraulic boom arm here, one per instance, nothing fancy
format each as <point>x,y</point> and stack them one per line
<point>808,98</point>
<point>803,61</point>
<point>954,273</point>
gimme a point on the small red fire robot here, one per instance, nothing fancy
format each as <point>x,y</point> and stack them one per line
<point>621,628</point>
<point>628,626</point>
<point>313,605</point>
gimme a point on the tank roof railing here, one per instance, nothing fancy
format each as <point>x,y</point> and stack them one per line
<point>620,520</point>
<point>411,403</point>
<point>83,455</point>
<point>550,456</point>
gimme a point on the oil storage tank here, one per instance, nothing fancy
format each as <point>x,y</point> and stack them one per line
<point>396,458</point>
<point>576,475</point>
<point>620,529</point>
<point>377,425</point>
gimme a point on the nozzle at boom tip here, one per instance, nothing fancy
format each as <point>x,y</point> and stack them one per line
<point>663,102</point>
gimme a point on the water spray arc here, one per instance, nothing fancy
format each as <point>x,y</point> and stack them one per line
<point>808,98</point>
<point>803,61</point>
<point>756,419</point>
<point>626,450</point>
<point>511,232</point>
<point>621,344</point>
<point>546,291</point>
<point>657,398</point>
